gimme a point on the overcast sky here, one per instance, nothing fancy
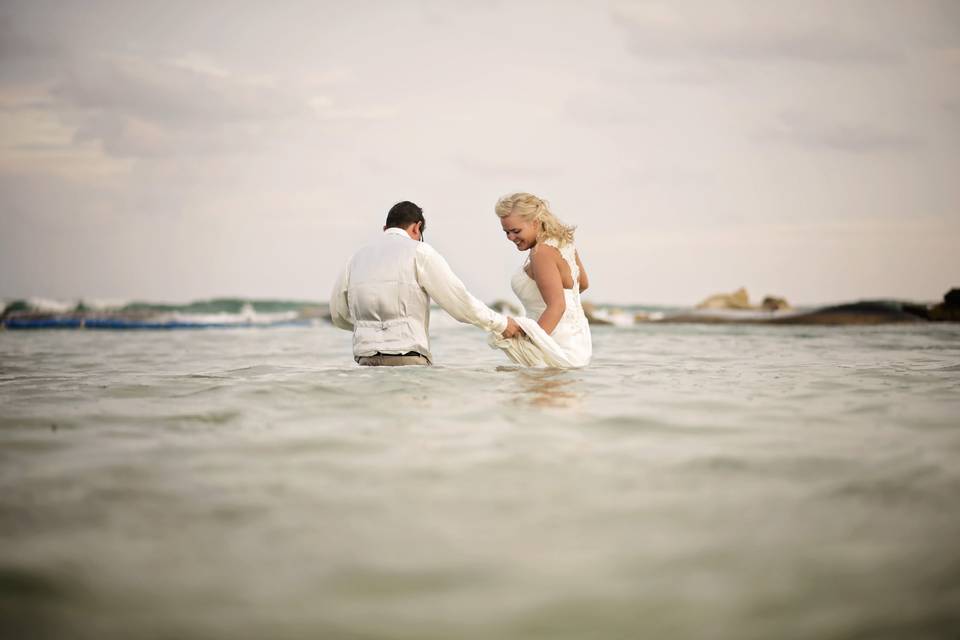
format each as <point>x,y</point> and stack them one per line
<point>177,150</point>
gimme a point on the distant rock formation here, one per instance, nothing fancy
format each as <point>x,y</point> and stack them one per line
<point>506,308</point>
<point>739,299</point>
<point>856,313</point>
<point>949,309</point>
<point>867,312</point>
<point>773,303</point>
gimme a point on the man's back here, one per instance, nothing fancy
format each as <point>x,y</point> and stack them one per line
<point>389,308</point>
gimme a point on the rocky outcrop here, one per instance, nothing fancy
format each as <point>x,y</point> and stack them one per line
<point>506,308</point>
<point>773,303</point>
<point>951,299</point>
<point>949,309</point>
<point>856,313</point>
<point>739,299</point>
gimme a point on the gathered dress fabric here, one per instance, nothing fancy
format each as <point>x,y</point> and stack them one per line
<point>569,345</point>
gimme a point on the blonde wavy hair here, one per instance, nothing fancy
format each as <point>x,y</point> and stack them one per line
<point>531,208</point>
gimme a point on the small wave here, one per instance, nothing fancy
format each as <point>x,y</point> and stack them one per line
<point>640,424</point>
<point>950,368</point>
<point>229,306</point>
<point>214,417</point>
<point>50,306</point>
<point>105,304</point>
<point>207,417</point>
<point>616,317</point>
<point>17,583</point>
<point>201,391</point>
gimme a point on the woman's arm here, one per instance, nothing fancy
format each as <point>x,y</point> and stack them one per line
<point>584,280</point>
<point>546,273</point>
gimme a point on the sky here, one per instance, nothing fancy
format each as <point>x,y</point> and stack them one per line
<point>183,150</point>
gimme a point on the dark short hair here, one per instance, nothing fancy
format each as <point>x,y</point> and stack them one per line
<point>403,214</point>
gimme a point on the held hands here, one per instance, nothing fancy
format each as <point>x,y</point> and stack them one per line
<point>513,329</point>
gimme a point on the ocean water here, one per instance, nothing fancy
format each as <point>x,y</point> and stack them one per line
<point>695,482</point>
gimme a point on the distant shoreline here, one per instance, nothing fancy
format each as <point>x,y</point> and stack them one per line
<point>241,312</point>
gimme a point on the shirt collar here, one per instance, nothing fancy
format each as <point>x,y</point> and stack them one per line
<point>397,232</point>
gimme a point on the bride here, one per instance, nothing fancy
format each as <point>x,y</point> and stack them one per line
<point>548,284</point>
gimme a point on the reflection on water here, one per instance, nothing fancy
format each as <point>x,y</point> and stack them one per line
<point>553,388</point>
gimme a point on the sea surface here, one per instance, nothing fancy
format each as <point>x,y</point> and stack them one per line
<point>713,482</point>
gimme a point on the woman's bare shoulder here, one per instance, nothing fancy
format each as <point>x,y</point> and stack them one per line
<point>544,253</point>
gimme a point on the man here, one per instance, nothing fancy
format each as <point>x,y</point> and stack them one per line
<point>383,295</point>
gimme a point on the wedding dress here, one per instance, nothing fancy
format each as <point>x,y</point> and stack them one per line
<point>569,345</point>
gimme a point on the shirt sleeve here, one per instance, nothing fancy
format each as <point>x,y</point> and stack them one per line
<point>441,284</point>
<point>339,309</point>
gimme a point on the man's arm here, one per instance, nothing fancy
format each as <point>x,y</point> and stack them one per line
<point>339,309</point>
<point>441,284</point>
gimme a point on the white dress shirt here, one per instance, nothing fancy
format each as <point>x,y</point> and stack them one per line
<point>383,296</point>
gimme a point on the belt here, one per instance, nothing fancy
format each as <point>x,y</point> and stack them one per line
<point>408,353</point>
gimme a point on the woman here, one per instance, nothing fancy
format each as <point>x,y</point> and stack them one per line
<point>548,284</point>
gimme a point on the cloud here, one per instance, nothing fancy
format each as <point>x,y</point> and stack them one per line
<point>169,93</point>
<point>25,56</point>
<point>14,43</point>
<point>134,106</point>
<point>506,168</point>
<point>690,32</point>
<point>137,107</point>
<point>140,108</point>
<point>152,106</point>
<point>588,108</point>
<point>858,138</point>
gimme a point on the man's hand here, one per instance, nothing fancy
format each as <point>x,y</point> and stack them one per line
<point>513,329</point>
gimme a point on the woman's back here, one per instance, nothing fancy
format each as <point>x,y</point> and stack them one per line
<point>526,289</point>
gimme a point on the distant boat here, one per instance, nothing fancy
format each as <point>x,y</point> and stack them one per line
<point>78,322</point>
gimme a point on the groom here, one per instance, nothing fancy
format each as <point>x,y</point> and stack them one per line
<point>383,295</point>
